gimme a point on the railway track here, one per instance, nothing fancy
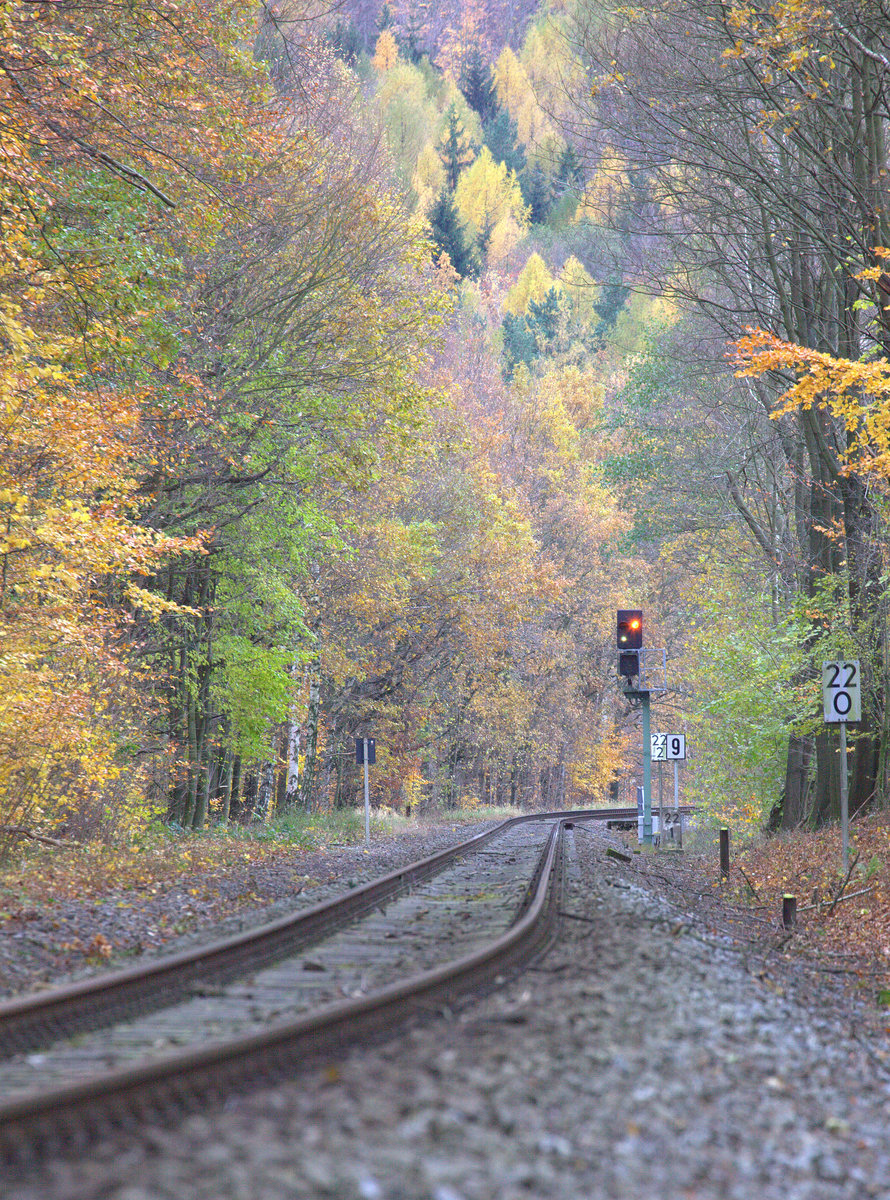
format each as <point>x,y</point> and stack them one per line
<point>119,1049</point>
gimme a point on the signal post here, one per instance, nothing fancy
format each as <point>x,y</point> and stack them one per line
<point>641,671</point>
<point>629,639</point>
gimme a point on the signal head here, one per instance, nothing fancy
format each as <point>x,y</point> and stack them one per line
<point>630,629</point>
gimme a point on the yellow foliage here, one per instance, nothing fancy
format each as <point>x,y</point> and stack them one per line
<point>488,196</point>
<point>533,282</point>
<point>73,437</point>
<point>605,190</point>
<point>579,286</point>
<point>386,52</point>
<point>856,392</point>
<point>516,94</point>
<point>429,177</point>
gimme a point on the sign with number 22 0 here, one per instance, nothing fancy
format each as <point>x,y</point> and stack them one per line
<point>842,690</point>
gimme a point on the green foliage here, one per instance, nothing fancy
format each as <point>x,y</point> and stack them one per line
<point>739,668</point>
<point>450,236</point>
<point>534,334</point>
<point>537,192</point>
<point>346,41</point>
<point>408,115</point>
<point>477,85</point>
<point>252,688</point>
<point>456,149</point>
<point>610,305</point>
<point>499,135</point>
<point>519,344</point>
<point>543,320</point>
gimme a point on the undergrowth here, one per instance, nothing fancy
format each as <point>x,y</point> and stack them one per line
<point>844,915</point>
<point>163,854</point>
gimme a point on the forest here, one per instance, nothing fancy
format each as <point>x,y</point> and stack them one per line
<point>358,363</point>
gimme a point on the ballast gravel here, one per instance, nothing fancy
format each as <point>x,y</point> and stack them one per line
<point>648,1056</point>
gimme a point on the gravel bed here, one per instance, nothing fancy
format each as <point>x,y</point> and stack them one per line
<point>655,1053</point>
<point>47,946</point>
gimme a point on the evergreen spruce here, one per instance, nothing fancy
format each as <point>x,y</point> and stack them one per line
<point>569,172</point>
<point>346,41</point>
<point>543,321</point>
<point>499,135</point>
<point>519,344</point>
<point>456,149</point>
<point>477,85</point>
<point>449,235</point>
<point>537,193</point>
<point>609,306</point>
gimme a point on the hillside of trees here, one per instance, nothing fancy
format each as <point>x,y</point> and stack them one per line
<point>357,365</point>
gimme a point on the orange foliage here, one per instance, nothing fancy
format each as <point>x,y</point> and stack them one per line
<point>857,393</point>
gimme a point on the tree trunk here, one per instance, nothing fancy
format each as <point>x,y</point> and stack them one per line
<point>311,754</point>
<point>264,794</point>
<point>797,780</point>
<point>226,788</point>
<point>292,781</point>
<point>249,800</point>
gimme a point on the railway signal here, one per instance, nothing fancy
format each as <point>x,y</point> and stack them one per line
<point>630,629</point>
<point>629,638</point>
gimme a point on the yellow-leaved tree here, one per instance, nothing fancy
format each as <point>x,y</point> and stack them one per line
<point>97,167</point>
<point>489,200</point>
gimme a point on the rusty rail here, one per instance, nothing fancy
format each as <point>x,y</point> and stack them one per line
<point>29,1022</point>
<point>38,1124</point>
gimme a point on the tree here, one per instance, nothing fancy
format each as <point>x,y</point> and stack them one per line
<point>449,235</point>
<point>533,282</point>
<point>103,191</point>
<point>754,149</point>
<point>537,194</point>
<point>519,344</point>
<point>456,150</point>
<point>490,201</point>
<point>477,85</point>
<point>386,52</point>
<point>499,134</point>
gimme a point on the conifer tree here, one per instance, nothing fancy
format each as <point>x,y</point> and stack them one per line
<point>537,193</point>
<point>499,134</point>
<point>449,235</point>
<point>477,85</point>
<point>519,344</point>
<point>543,320</point>
<point>456,149</point>
<point>569,171</point>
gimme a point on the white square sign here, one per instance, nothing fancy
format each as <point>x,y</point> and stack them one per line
<point>668,747</point>
<point>842,690</point>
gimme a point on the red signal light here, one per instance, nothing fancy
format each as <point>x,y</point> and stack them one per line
<point>630,629</point>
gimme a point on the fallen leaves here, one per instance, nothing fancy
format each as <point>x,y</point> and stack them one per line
<point>807,864</point>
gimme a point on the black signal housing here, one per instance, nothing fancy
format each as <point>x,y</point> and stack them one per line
<point>630,629</point>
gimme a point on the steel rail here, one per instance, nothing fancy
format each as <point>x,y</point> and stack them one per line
<point>68,1117</point>
<point>29,1022</point>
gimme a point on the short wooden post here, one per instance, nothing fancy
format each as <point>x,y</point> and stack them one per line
<point>789,911</point>
<point>724,854</point>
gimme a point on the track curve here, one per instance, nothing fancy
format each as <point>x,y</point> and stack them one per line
<point>59,1117</point>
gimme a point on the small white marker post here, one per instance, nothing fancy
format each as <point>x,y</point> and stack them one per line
<point>842,702</point>
<point>367,797</point>
<point>366,752</point>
